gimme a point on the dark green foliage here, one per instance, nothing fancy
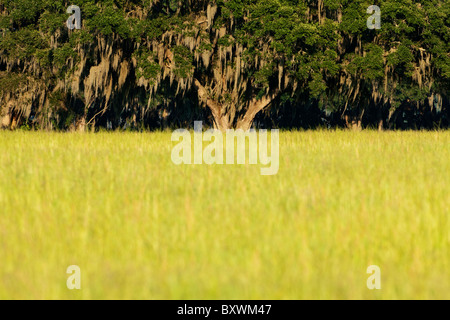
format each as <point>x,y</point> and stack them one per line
<point>324,49</point>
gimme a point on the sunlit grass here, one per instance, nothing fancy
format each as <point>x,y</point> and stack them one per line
<point>141,227</point>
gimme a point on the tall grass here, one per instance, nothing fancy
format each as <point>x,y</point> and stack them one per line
<point>141,227</point>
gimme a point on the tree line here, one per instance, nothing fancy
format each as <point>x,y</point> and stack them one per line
<point>232,63</point>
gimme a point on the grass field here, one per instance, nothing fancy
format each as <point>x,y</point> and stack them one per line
<point>141,227</point>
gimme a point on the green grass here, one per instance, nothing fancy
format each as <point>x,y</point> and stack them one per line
<point>140,227</point>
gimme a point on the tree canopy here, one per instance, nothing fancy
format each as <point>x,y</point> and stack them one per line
<point>293,63</point>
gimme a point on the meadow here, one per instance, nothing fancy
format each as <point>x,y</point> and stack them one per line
<point>140,227</point>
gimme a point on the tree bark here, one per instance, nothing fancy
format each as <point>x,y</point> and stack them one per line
<point>222,121</point>
<point>354,122</point>
<point>224,118</point>
<point>255,106</point>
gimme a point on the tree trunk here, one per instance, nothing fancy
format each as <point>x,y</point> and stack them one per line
<point>255,106</point>
<point>14,122</point>
<point>224,117</point>
<point>380,119</point>
<point>354,122</point>
<point>5,121</point>
<point>220,121</point>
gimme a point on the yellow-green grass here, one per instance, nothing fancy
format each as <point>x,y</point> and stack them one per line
<point>141,227</point>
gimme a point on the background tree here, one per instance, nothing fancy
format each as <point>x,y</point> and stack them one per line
<point>165,62</point>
